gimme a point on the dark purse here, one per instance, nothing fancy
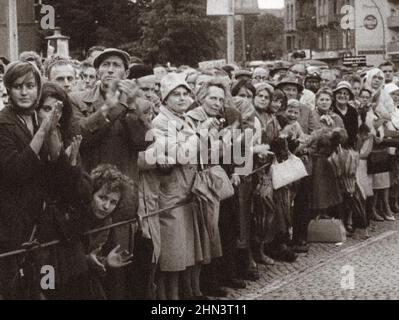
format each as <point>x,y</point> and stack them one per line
<point>379,161</point>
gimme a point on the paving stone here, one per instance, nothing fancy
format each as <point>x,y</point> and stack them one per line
<point>319,274</point>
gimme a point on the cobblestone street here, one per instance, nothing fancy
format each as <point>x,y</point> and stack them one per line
<point>322,273</point>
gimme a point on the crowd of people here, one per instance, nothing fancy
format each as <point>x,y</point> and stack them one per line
<point>126,165</point>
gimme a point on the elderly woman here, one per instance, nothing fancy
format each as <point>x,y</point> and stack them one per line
<point>32,162</point>
<point>342,96</point>
<point>179,238</point>
<point>215,113</point>
<point>384,108</point>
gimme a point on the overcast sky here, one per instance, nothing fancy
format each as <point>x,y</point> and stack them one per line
<point>271,3</point>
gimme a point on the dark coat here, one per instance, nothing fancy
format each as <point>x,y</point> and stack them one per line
<point>22,182</point>
<point>25,185</point>
<point>117,141</point>
<point>351,123</point>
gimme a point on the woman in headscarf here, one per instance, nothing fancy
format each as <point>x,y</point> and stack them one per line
<point>216,114</point>
<point>383,111</point>
<point>180,241</point>
<point>32,164</point>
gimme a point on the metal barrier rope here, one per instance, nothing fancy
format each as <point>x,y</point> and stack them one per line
<point>114,225</point>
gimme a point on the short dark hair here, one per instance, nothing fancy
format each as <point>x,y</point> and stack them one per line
<point>356,78</point>
<point>244,83</point>
<point>31,56</point>
<point>386,63</point>
<point>279,94</point>
<point>94,48</point>
<point>86,64</point>
<point>55,62</point>
<point>365,89</point>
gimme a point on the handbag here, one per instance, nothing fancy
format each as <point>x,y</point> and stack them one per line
<point>379,161</point>
<point>326,230</point>
<point>287,172</point>
<point>216,180</point>
<point>220,183</point>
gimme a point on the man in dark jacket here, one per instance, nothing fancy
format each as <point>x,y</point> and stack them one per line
<point>113,131</point>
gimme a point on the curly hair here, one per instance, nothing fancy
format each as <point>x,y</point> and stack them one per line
<point>214,82</point>
<point>109,176</point>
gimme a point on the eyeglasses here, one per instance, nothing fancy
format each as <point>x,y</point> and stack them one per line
<point>264,78</point>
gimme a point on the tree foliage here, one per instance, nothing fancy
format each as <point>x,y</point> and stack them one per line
<point>97,22</point>
<point>179,32</point>
<point>176,31</point>
<point>267,33</point>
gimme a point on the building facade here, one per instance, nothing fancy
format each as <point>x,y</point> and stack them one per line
<point>328,30</point>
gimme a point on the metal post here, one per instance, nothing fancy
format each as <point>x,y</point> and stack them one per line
<point>230,35</point>
<point>13,29</point>
<point>244,49</point>
<point>383,28</point>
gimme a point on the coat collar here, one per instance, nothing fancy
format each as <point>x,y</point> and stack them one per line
<point>172,116</point>
<point>198,114</point>
<point>92,99</point>
<point>8,117</point>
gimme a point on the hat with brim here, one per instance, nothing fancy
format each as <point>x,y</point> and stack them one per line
<point>264,86</point>
<point>172,81</point>
<point>242,73</point>
<point>112,52</point>
<point>314,75</point>
<point>290,81</point>
<point>278,69</point>
<point>344,85</point>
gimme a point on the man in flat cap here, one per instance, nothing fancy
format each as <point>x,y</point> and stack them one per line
<point>113,129</point>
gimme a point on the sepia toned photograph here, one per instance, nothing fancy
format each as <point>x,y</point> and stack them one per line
<point>217,152</point>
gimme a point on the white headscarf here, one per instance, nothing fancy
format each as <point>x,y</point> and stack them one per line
<point>385,104</point>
